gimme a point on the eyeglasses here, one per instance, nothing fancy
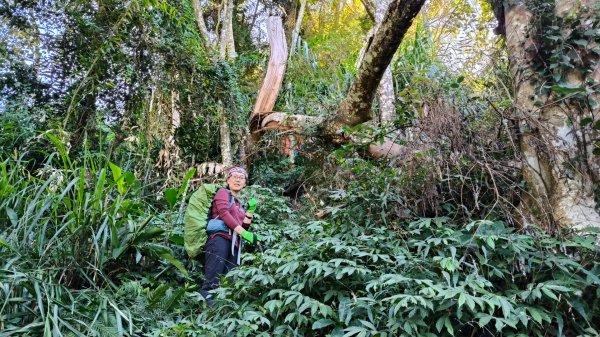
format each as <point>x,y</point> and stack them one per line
<point>238,177</point>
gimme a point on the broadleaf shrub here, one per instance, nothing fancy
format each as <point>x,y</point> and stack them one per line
<point>370,267</point>
<point>419,277</point>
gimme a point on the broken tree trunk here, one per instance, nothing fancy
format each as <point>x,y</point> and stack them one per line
<point>267,96</point>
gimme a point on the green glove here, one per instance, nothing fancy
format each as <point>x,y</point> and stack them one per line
<point>250,237</point>
<point>252,205</point>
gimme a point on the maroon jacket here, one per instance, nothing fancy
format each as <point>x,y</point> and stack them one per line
<point>232,217</point>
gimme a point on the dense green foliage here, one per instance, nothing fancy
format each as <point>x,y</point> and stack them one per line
<point>91,215</point>
<point>85,254</point>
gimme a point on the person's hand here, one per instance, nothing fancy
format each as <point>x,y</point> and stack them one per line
<point>252,238</point>
<point>252,205</point>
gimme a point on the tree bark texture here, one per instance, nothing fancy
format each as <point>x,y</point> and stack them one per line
<point>356,107</point>
<point>297,26</point>
<point>198,15</point>
<point>267,96</point>
<point>227,45</point>
<point>559,167</point>
<point>226,153</point>
<point>231,53</point>
<point>385,91</point>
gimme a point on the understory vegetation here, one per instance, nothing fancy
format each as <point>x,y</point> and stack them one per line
<point>88,250</point>
<point>95,175</point>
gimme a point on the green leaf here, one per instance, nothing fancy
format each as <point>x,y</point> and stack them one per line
<point>368,325</point>
<point>323,322</point>
<point>448,325</point>
<point>484,320</point>
<point>499,324</point>
<point>117,177</point>
<point>440,323</point>
<point>506,306</point>
<point>186,181</point>
<point>116,252</point>
<point>461,299</point>
<point>177,239</point>
<point>4,244</point>
<point>175,262</point>
<point>535,315</point>
<point>549,293</point>
<point>355,331</point>
<point>170,195</point>
<point>586,121</point>
<point>148,235</point>
<point>129,178</point>
<point>490,242</point>
<point>12,215</point>
<point>561,325</point>
<point>565,89</point>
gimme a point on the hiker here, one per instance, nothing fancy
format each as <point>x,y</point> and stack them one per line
<point>223,247</point>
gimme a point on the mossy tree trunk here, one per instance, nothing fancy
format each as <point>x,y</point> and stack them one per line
<point>356,107</point>
<point>556,94</point>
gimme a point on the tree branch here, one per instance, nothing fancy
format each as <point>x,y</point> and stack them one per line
<point>356,108</point>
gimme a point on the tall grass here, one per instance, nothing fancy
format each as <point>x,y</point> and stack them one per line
<point>67,232</point>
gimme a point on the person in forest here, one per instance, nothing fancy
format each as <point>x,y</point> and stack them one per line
<point>223,247</point>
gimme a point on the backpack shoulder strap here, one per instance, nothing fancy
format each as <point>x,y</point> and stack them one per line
<point>231,199</point>
<point>231,202</point>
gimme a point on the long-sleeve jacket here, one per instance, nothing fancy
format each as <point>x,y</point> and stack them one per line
<point>232,216</point>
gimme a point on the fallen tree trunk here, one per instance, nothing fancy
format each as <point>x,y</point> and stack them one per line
<point>356,108</point>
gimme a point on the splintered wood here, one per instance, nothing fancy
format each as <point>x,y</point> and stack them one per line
<point>274,77</point>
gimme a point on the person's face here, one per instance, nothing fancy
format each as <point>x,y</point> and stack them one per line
<point>236,182</point>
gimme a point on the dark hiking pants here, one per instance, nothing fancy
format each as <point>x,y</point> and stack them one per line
<point>218,261</point>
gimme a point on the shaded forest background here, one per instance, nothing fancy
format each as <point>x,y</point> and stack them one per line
<point>113,112</point>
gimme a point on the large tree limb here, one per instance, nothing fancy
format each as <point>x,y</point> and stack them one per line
<point>356,108</point>
<point>283,121</point>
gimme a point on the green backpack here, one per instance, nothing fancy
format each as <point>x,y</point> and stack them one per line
<point>196,218</point>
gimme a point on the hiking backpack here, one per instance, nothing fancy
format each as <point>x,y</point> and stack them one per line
<point>197,215</point>
<point>196,218</point>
